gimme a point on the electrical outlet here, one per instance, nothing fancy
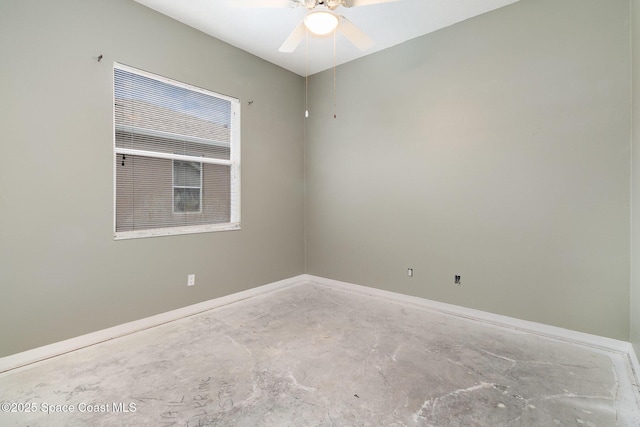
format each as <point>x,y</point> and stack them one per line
<point>191,280</point>
<point>457,279</point>
<point>410,272</point>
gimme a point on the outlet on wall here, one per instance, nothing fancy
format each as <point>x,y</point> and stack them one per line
<point>191,280</point>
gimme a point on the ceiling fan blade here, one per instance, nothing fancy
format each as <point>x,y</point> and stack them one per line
<point>356,3</point>
<point>294,39</point>
<point>355,34</point>
<point>261,3</point>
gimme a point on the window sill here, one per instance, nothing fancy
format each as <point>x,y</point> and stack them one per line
<point>173,231</point>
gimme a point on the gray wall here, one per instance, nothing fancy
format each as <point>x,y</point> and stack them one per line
<point>635,195</point>
<point>61,272</point>
<point>497,149</point>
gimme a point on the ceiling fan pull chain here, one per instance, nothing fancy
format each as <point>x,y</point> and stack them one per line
<point>306,74</point>
<point>334,75</point>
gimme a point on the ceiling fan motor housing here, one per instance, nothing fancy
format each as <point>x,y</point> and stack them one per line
<point>329,4</point>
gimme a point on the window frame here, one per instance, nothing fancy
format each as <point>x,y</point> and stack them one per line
<point>233,163</point>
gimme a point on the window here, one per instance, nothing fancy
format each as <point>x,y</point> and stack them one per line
<point>177,157</point>
<point>187,186</point>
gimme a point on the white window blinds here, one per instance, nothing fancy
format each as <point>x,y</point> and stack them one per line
<point>177,157</point>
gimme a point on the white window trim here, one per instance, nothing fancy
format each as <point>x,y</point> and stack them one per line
<point>233,162</point>
<point>171,231</point>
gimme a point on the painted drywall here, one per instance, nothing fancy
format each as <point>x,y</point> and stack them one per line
<point>496,149</point>
<point>635,179</point>
<point>62,274</point>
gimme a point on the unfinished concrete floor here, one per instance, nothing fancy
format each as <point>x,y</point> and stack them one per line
<point>309,355</point>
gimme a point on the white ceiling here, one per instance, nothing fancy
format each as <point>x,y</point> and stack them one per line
<point>261,31</point>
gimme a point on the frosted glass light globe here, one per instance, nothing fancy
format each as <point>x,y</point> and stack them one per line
<point>321,22</point>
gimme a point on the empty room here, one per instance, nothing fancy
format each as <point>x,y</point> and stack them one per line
<point>214,213</point>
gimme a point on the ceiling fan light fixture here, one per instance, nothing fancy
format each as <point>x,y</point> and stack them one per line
<point>321,22</point>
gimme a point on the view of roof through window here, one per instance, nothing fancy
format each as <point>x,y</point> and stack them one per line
<point>188,101</point>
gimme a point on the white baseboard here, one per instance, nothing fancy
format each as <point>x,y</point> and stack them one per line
<point>28,357</point>
<point>635,365</point>
<point>478,315</point>
<point>553,332</point>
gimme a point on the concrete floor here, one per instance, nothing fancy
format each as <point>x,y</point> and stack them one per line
<point>309,355</point>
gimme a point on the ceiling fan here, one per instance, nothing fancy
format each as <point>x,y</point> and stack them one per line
<point>320,22</point>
